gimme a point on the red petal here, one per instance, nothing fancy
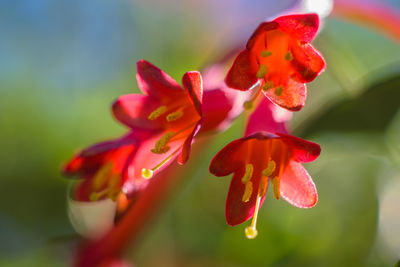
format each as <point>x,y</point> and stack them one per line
<point>226,161</point>
<point>264,118</point>
<point>216,108</point>
<point>303,150</point>
<point>293,96</point>
<point>263,27</point>
<point>237,211</point>
<point>193,83</point>
<point>242,74</point>
<point>297,187</point>
<point>154,82</point>
<point>133,110</point>
<point>184,155</point>
<point>307,61</point>
<point>301,27</point>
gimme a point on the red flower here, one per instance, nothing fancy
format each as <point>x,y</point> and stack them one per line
<point>279,53</point>
<point>163,123</point>
<point>104,167</point>
<point>261,158</point>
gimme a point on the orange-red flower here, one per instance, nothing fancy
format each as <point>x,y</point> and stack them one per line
<point>280,56</point>
<point>261,158</point>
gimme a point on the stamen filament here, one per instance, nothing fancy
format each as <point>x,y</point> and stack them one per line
<point>148,173</point>
<point>251,231</point>
<point>249,104</point>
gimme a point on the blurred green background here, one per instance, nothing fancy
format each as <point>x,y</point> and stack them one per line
<point>64,62</point>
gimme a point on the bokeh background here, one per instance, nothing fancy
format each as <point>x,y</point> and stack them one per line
<point>64,62</point>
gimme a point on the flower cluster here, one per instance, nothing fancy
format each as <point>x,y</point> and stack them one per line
<point>164,121</point>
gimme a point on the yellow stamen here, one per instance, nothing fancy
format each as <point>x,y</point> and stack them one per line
<point>251,231</point>
<point>157,113</point>
<point>174,115</point>
<point>266,53</point>
<point>263,186</point>
<point>288,56</point>
<point>161,145</point>
<point>262,71</point>
<point>275,183</point>
<point>101,176</point>
<point>148,173</point>
<point>268,85</point>
<point>248,173</point>
<point>278,90</point>
<point>247,191</point>
<point>270,169</point>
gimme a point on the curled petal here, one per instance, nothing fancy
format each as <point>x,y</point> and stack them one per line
<point>226,161</point>
<point>302,27</point>
<point>303,150</point>
<point>297,187</point>
<point>184,155</point>
<point>193,83</point>
<point>242,74</point>
<point>308,62</point>
<point>154,82</point>
<point>292,97</point>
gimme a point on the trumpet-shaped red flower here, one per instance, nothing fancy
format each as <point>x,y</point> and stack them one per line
<point>171,113</point>
<point>261,158</point>
<point>280,55</point>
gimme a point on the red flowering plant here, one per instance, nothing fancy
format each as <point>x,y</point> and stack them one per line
<point>279,55</point>
<point>266,154</point>
<point>163,122</point>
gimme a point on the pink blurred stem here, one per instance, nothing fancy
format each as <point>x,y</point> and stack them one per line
<point>373,14</point>
<point>129,228</point>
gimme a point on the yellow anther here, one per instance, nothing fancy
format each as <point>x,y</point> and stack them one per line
<point>248,189</point>
<point>174,115</point>
<point>275,183</point>
<point>157,113</point>
<point>248,173</point>
<point>250,232</point>
<point>266,53</point>
<point>288,56</point>
<point>101,176</point>
<point>161,145</point>
<point>262,71</point>
<point>147,173</point>
<point>268,85</point>
<point>278,90</point>
<point>248,105</point>
<point>270,169</point>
